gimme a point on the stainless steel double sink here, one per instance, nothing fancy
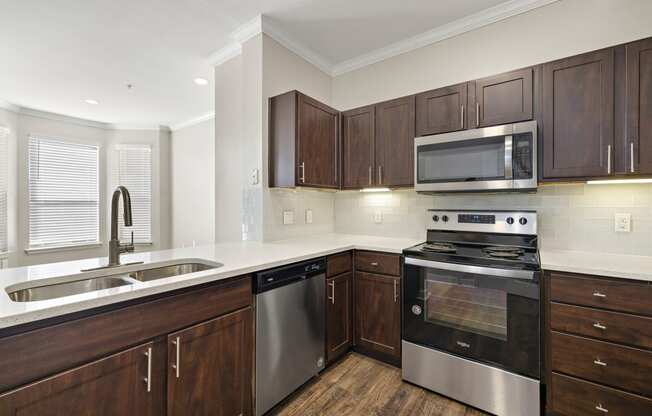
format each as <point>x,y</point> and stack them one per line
<point>85,285</point>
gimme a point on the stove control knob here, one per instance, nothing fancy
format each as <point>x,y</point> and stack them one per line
<point>522,221</point>
<point>510,220</point>
<point>416,309</point>
<point>435,218</point>
<point>444,218</point>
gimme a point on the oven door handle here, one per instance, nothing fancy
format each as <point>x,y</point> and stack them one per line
<point>464,268</point>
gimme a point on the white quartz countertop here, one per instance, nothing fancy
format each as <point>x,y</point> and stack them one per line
<point>238,258</point>
<point>600,264</point>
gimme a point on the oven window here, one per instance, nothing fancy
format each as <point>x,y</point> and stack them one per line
<point>468,160</point>
<point>466,307</point>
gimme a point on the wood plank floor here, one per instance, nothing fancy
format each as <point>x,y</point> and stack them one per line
<point>359,385</point>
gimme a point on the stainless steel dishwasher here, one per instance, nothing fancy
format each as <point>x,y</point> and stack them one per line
<point>290,329</point>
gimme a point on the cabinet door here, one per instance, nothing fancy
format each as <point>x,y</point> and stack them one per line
<point>210,367</point>
<point>338,316</point>
<point>378,313</point>
<point>578,106</point>
<point>639,107</point>
<point>316,144</point>
<point>501,99</point>
<point>113,386</point>
<point>441,110</point>
<point>358,147</point>
<point>395,142</point>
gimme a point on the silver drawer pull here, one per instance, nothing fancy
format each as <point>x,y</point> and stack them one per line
<point>148,379</point>
<point>598,362</point>
<point>599,295</point>
<point>375,264</point>
<point>599,326</point>
<point>463,344</point>
<point>600,408</point>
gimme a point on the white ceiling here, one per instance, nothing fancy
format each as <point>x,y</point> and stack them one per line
<point>56,54</point>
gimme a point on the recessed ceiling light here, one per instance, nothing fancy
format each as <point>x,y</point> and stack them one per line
<point>91,101</point>
<point>201,81</point>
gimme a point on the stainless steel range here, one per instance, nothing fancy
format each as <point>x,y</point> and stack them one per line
<point>471,310</point>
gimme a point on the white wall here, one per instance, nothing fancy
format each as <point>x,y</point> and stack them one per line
<point>558,30</point>
<point>193,184</point>
<point>283,71</point>
<point>9,119</point>
<point>230,164</point>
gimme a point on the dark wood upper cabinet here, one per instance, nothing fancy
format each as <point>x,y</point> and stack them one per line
<point>210,367</point>
<point>578,116</point>
<point>339,319</point>
<point>394,144</point>
<point>358,135</point>
<point>639,107</point>
<point>441,110</point>
<point>303,142</point>
<point>113,386</point>
<point>378,314</point>
<point>501,99</point>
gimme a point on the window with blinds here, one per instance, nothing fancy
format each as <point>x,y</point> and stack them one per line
<point>134,171</point>
<point>4,172</point>
<point>63,193</point>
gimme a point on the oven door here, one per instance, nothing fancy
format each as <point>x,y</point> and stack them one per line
<point>487,159</point>
<point>489,315</point>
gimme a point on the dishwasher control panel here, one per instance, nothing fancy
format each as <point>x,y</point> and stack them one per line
<point>281,276</point>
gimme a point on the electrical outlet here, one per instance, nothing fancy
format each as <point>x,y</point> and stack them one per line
<point>623,222</point>
<point>308,216</point>
<point>254,177</point>
<point>378,217</point>
<point>288,217</point>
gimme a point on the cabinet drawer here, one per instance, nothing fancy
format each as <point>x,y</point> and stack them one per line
<point>574,397</point>
<point>370,261</point>
<point>611,294</point>
<point>610,364</point>
<point>338,264</point>
<point>609,326</point>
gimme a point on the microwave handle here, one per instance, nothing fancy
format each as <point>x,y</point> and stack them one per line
<point>509,145</point>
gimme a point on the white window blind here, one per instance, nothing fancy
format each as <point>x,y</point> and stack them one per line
<point>134,171</point>
<point>4,172</point>
<point>63,193</point>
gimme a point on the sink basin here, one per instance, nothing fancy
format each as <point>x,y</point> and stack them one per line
<point>59,290</point>
<point>146,275</point>
<point>116,279</point>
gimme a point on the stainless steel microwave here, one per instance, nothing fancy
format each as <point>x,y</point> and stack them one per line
<point>500,158</point>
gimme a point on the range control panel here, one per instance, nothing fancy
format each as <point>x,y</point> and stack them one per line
<point>504,222</point>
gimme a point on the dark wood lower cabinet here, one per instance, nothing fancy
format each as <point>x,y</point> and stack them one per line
<point>378,314</point>
<point>210,367</point>
<point>113,386</point>
<point>339,331</point>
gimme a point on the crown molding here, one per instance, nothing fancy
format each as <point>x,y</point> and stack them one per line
<point>6,105</point>
<point>219,57</point>
<point>466,24</point>
<point>192,121</point>
<point>248,30</point>
<point>63,118</point>
<point>145,127</point>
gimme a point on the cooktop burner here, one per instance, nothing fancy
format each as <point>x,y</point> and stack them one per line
<point>439,247</point>
<point>506,252</point>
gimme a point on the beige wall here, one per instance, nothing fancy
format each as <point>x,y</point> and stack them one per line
<point>193,184</point>
<point>555,31</point>
<point>9,119</point>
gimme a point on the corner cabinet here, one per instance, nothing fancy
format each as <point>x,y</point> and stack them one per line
<point>303,142</point>
<point>639,107</point>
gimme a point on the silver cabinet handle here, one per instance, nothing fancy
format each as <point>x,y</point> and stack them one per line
<point>395,290</point>
<point>598,362</point>
<point>374,263</point>
<point>332,298</point>
<point>302,175</point>
<point>370,174</point>
<point>609,160</point>
<point>177,365</point>
<point>477,114</point>
<point>462,117</point>
<point>148,379</point>
<point>463,344</point>
<point>380,175</point>
<point>599,295</point>
<point>599,326</point>
<point>601,409</point>
<point>631,157</point>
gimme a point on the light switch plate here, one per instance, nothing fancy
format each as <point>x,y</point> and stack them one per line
<point>288,217</point>
<point>378,217</point>
<point>623,222</point>
<point>308,216</point>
